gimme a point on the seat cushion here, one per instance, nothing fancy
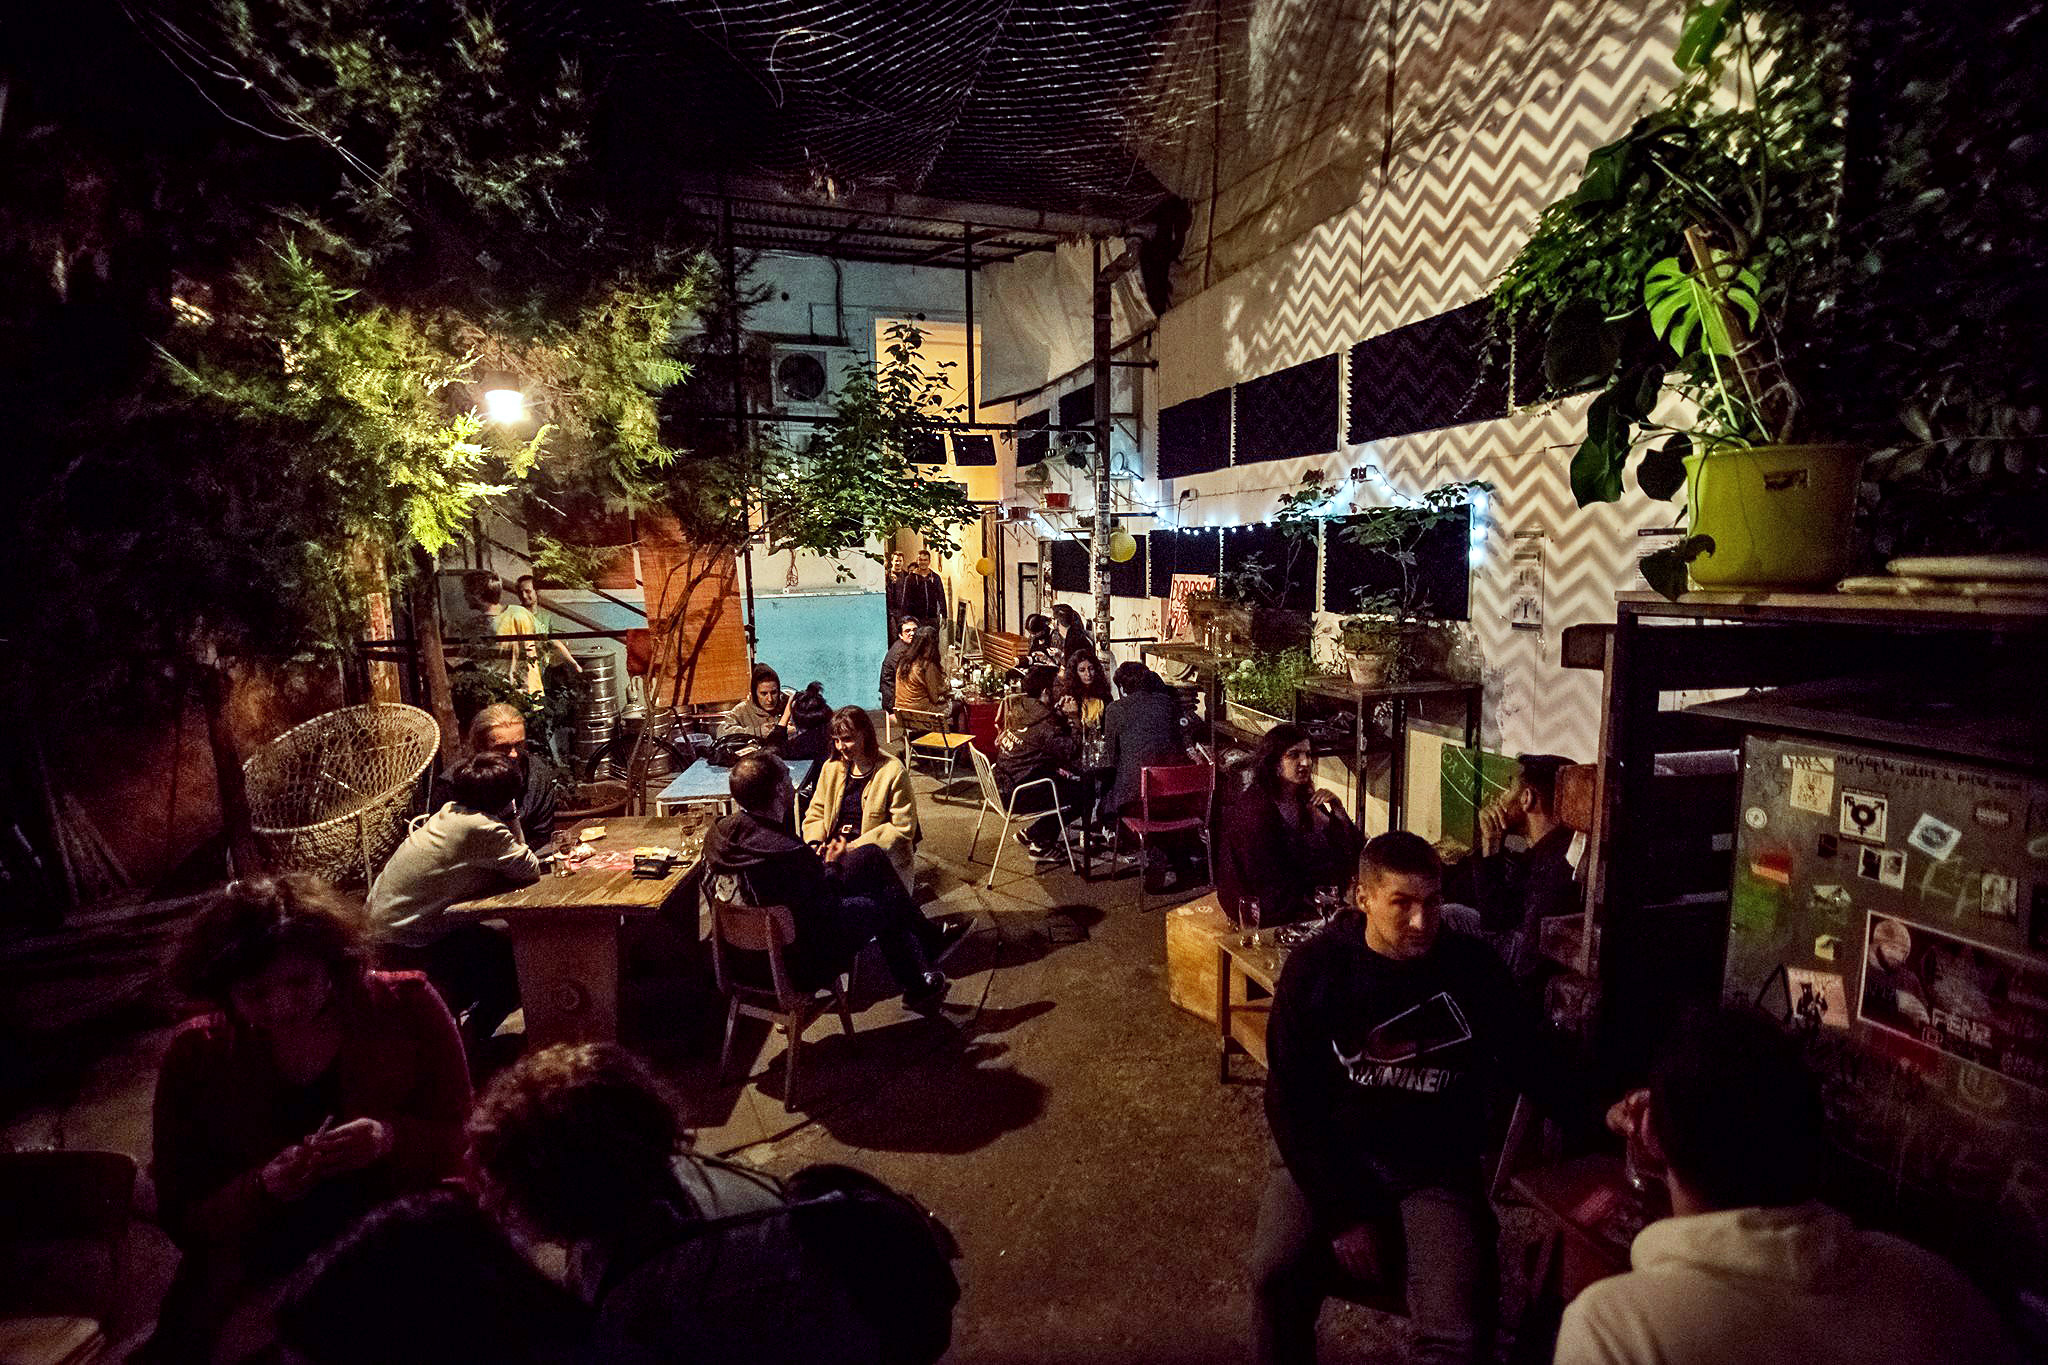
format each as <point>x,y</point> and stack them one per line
<point>942,741</point>
<point>49,1340</point>
<point>1138,825</point>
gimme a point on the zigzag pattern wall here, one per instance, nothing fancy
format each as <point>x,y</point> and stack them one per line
<point>1484,136</point>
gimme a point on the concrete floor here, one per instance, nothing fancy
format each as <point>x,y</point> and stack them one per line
<point>1061,1116</point>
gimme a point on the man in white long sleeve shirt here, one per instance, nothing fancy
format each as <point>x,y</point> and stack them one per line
<point>1751,1267</point>
<point>472,846</point>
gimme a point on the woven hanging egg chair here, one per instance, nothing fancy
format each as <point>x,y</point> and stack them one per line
<point>330,796</point>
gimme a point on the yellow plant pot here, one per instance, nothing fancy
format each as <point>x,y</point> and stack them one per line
<point>1779,515</point>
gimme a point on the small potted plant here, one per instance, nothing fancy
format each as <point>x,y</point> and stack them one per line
<point>1250,605</point>
<point>1259,689</point>
<point>1696,254</point>
<point>1394,634</point>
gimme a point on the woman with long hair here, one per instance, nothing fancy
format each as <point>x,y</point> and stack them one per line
<point>1083,689</point>
<point>1284,837</point>
<point>863,798</point>
<point>314,1091</point>
<point>921,682</point>
<point>1070,634</point>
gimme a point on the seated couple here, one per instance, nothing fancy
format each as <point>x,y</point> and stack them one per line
<point>846,892</point>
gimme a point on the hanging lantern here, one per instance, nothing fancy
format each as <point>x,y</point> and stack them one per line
<point>1122,545</point>
<point>984,566</point>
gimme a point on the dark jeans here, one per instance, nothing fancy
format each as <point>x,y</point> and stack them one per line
<point>1450,1280</point>
<point>1065,790</point>
<point>472,967</point>
<point>873,904</point>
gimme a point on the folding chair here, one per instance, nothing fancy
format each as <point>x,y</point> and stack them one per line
<point>63,1226</point>
<point>769,929</point>
<point>925,733</point>
<point>992,801</point>
<point>1171,799</point>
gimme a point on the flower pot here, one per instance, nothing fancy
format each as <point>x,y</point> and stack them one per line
<point>1250,719</point>
<point>1369,670</point>
<point>1779,515</point>
<point>1058,501</point>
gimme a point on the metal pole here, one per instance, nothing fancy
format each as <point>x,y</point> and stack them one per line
<point>742,442</point>
<point>967,270</point>
<point>1098,558</point>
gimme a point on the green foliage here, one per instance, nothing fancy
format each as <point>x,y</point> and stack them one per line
<point>851,483</point>
<point>1747,154</point>
<point>1385,621</point>
<point>1252,581</point>
<point>1267,681</point>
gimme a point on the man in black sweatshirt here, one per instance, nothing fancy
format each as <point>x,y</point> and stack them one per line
<point>1384,1037</point>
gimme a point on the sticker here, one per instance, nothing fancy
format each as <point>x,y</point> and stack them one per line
<point>1999,897</point>
<point>1962,999</point>
<point>1991,815</point>
<point>1819,1000</point>
<point>1886,866</point>
<point>1756,817</point>
<point>1755,905</point>
<point>1773,866</point>
<point>1833,902</point>
<point>1935,838</point>
<point>1813,782</point>
<point>1952,886</point>
<point>2037,847</point>
<point>1825,846</point>
<point>1864,815</point>
<point>1824,947</point>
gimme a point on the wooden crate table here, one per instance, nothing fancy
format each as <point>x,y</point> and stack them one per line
<point>1192,932</point>
<point>1241,1017</point>
<point>565,932</point>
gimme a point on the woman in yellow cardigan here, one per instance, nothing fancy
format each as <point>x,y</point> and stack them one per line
<point>863,797</point>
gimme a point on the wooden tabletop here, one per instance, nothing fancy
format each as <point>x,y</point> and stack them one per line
<point>617,890</point>
<point>1262,963</point>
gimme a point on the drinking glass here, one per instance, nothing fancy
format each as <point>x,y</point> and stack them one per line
<point>1328,900</point>
<point>1248,911</point>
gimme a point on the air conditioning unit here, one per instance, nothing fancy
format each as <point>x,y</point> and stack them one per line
<point>803,377</point>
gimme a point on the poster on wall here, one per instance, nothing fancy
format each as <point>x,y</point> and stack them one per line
<point>1978,1004</point>
<point>1185,585</point>
<point>1525,598</point>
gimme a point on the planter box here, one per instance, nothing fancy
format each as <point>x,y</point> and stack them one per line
<point>1250,719</point>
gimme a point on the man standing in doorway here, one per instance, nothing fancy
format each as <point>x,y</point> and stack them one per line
<point>924,593</point>
<point>892,592</point>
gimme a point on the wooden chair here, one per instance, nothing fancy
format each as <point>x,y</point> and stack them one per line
<point>1172,799</point>
<point>769,929</point>
<point>992,803</point>
<point>925,734</point>
<point>63,1224</point>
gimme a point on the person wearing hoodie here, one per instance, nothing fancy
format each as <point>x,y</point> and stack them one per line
<point>1034,742</point>
<point>840,902</point>
<point>1385,1039</point>
<point>1751,1267</point>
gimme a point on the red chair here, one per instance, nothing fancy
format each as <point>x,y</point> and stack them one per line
<point>1171,800</point>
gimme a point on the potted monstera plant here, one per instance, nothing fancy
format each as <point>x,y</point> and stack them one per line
<point>1682,277</point>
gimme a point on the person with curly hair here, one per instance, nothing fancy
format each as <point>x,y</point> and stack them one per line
<point>1082,692</point>
<point>580,1155</point>
<point>313,1091</point>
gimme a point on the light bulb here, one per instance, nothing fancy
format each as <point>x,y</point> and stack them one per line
<point>505,406</point>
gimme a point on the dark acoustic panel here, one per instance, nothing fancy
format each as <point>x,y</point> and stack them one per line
<point>1194,437</point>
<point>1188,550</point>
<point>1440,372</point>
<point>1034,443</point>
<point>1069,566</point>
<point>1275,550</point>
<point>1442,567</point>
<point>924,447</point>
<point>1077,409</point>
<point>1128,578</point>
<point>1289,413</point>
<point>974,448</point>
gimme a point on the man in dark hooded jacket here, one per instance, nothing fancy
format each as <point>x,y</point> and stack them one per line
<point>839,905</point>
<point>1037,742</point>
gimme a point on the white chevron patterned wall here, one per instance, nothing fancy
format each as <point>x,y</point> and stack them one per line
<point>1497,105</point>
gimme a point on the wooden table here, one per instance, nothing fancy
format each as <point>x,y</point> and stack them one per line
<point>705,783</point>
<point>565,932</point>
<point>1594,1214</point>
<point>1362,701</point>
<point>1240,1017</point>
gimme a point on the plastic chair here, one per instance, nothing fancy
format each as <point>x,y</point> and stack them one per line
<point>1172,799</point>
<point>769,929</point>
<point>63,1224</point>
<point>925,733</point>
<point>992,801</point>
